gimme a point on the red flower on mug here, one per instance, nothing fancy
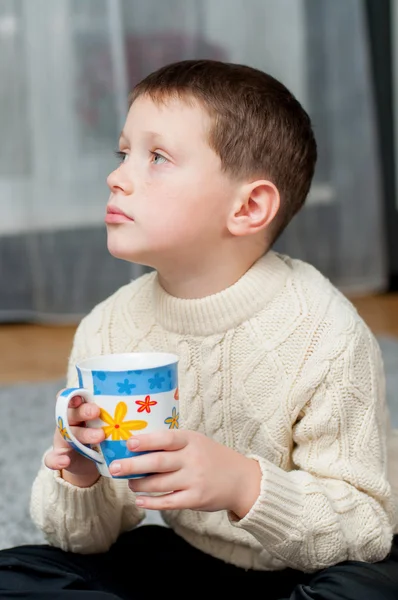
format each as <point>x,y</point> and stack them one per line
<point>176,395</point>
<point>145,404</point>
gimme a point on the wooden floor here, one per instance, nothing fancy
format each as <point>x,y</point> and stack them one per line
<point>37,353</point>
<point>34,352</point>
<point>379,312</point>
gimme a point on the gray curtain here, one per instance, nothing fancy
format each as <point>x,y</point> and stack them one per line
<point>342,231</point>
<point>68,66</point>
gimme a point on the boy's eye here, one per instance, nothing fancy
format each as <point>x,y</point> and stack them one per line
<point>121,156</point>
<point>158,159</point>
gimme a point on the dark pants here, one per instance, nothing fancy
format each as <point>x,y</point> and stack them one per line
<point>153,559</point>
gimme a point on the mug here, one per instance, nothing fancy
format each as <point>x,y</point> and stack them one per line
<point>135,391</point>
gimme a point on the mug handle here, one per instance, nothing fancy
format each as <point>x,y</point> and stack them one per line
<point>61,418</point>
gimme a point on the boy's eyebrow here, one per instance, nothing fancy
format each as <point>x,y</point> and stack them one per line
<point>152,135</point>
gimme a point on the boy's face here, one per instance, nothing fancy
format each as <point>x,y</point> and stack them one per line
<point>170,186</point>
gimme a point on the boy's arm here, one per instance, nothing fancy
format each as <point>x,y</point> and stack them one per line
<point>337,504</point>
<point>83,520</point>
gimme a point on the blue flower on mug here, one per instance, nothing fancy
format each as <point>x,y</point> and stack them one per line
<point>100,374</point>
<point>126,387</point>
<point>172,421</point>
<point>62,430</point>
<point>155,381</point>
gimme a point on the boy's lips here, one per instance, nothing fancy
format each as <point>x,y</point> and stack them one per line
<point>116,215</point>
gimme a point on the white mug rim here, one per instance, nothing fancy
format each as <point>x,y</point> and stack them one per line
<point>103,362</point>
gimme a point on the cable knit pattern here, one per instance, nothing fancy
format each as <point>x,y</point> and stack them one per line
<point>279,367</point>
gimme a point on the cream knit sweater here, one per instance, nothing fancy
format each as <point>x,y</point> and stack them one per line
<point>279,367</point>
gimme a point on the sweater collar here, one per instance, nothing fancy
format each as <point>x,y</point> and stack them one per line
<point>226,309</point>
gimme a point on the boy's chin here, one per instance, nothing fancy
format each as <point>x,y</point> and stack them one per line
<point>122,253</point>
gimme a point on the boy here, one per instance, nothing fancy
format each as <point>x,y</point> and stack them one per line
<point>279,468</point>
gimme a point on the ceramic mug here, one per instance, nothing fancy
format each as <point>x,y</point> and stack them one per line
<point>135,391</point>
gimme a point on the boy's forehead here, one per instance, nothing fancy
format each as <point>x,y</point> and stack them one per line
<point>154,117</point>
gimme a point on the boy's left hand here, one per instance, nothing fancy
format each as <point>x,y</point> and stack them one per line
<point>197,472</point>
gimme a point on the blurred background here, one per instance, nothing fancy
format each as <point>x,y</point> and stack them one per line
<point>66,68</point>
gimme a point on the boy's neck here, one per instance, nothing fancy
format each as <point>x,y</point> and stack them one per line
<point>203,279</point>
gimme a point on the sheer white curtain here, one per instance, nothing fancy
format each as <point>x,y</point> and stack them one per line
<point>66,68</point>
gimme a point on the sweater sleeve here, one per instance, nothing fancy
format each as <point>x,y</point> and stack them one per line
<point>336,503</point>
<point>82,520</point>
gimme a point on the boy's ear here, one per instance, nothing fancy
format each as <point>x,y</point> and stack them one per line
<point>254,209</point>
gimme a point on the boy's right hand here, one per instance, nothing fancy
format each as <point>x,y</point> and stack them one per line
<point>75,468</point>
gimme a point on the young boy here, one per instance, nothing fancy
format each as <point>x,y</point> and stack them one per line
<point>279,468</point>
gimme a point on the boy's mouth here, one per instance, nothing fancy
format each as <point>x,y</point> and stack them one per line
<point>116,215</point>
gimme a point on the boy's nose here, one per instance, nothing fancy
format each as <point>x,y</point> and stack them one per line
<point>119,183</point>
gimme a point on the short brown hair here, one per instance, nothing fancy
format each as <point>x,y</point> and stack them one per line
<point>259,129</point>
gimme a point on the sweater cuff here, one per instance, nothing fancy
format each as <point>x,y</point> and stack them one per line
<point>277,512</point>
<point>86,501</point>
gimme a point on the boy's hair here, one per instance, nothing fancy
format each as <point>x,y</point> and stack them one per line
<point>258,128</point>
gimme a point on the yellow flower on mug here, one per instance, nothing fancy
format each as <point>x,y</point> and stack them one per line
<point>172,421</point>
<point>62,430</point>
<point>117,428</point>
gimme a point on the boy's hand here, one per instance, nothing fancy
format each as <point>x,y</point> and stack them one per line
<point>76,469</point>
<point>200,473</point>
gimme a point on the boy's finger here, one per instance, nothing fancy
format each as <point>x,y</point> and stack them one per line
<point>85,435</point>
<point>85,412</point>
<point>57,460</point>
<point>74,402</point>
<point>82,414</point>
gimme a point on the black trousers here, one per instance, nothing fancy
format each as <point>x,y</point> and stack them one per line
<point>154,559</point>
